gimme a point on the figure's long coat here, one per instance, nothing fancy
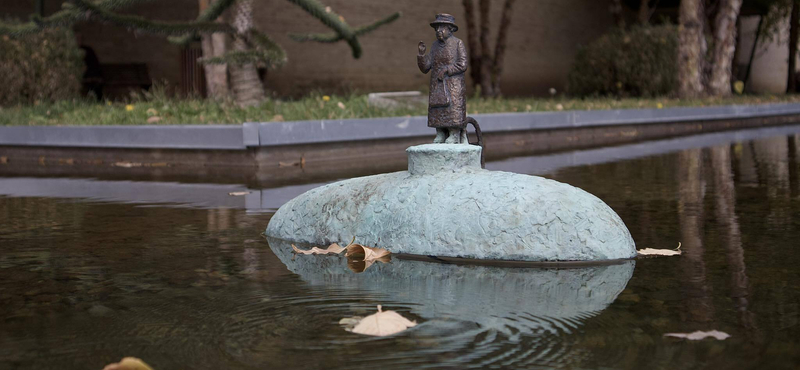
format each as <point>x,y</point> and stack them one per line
<point>451,56</point>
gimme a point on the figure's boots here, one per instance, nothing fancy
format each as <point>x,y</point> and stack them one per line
<point>441,134</point>
<point>455,136</point>
<point>464,138</point>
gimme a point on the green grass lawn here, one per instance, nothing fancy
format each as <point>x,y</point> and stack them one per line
<point>157,109</point>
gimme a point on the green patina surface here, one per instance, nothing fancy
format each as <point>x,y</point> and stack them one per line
<point>447,206</point>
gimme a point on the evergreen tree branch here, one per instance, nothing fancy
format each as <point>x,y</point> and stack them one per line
<point>65,17</point>
<point>210,14</point>
<point>335,37</point>
<point>333,21</point>
<point>155,27</point>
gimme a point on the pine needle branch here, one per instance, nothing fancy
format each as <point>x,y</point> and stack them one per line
<point>155,27</point>
<point>65,17</point>
<point>333,37</point>
<point>333,21</point>
<point>210,14</point>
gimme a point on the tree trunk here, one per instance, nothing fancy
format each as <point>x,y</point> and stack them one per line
<point>616,11</point>
<point>247,87</point>
<point>791,82</point>
<point>486,56</point>
<point>473,48</point>
<point>500,47</point>
<point>724,47</point>
<point>691,49</point>
<point>644,12</point>
<point>216,74</point>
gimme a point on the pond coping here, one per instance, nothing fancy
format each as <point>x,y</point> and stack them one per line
<point>272,134</point>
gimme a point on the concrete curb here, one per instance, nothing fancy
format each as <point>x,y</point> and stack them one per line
<point>267,134</point>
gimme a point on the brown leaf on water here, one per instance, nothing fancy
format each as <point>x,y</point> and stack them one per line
<point>660,252</point>
<point>3,160</point>
<point>699,335</point>
<point>288,164</point>
<point>382,323</point>
<point>369,253</point>
<point>332,249</point>
<point>128,363</point>
<point>127,164</point>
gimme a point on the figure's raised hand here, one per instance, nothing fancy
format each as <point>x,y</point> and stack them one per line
<point>422,48</point>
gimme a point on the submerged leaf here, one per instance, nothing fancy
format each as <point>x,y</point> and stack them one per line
<point>128,363</point>
<point>359,265</point>
<point>332,249</point>
<point>382,323</point>
<point>698,335</point>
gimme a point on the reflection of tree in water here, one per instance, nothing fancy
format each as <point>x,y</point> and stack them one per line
<point>794,163</point>
<point>728,224</point>
<point>691,190</point>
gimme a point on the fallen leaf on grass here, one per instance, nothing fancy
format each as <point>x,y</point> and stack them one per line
<point>698,335</point>
<point>154,119</point>
<point>238,193</point>
<point>380,324</point>
<point>128,363</point>
<point>332,249</point>
<point>660,252</point>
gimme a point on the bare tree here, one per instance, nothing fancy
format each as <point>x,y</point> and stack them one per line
<point>691,49</point>
<point>644,12</point>
<point>791,81</point>
<point>247,87</point>
<point>214,45</point>
<point>486,68</point>
<point>724,47</point>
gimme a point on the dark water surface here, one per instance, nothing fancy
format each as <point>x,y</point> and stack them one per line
<point>183,279</point>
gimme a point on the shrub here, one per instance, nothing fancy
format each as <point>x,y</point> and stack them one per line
<point>641,61</point>
<point>45,66</point>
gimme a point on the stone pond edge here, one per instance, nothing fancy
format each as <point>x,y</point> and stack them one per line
<point>270,134</point>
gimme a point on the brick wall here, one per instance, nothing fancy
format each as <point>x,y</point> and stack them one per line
<point>543,39</point>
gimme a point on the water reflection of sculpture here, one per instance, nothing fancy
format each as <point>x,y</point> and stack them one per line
<point>518,305</point>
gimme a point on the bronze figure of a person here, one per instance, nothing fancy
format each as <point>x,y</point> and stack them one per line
<point>447,61</point>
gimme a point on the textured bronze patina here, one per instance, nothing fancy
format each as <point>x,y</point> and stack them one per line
<point>447,62</point>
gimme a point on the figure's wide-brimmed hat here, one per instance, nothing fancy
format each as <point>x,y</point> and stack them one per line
<point>445,19</point>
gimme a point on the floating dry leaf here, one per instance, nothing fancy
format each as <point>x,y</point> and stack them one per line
<point>382,323</point>
<point>332,249</point>
<point>699,335</point>
<point>127,164</point>
<point>238,193</point>
<point>128,363</point>
<point>660,252</point>
<point>370,253</point>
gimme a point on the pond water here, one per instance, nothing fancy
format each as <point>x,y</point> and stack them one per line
<point>179,275</point>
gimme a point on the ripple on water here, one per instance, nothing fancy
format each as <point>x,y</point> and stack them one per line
<point>469,316</point>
